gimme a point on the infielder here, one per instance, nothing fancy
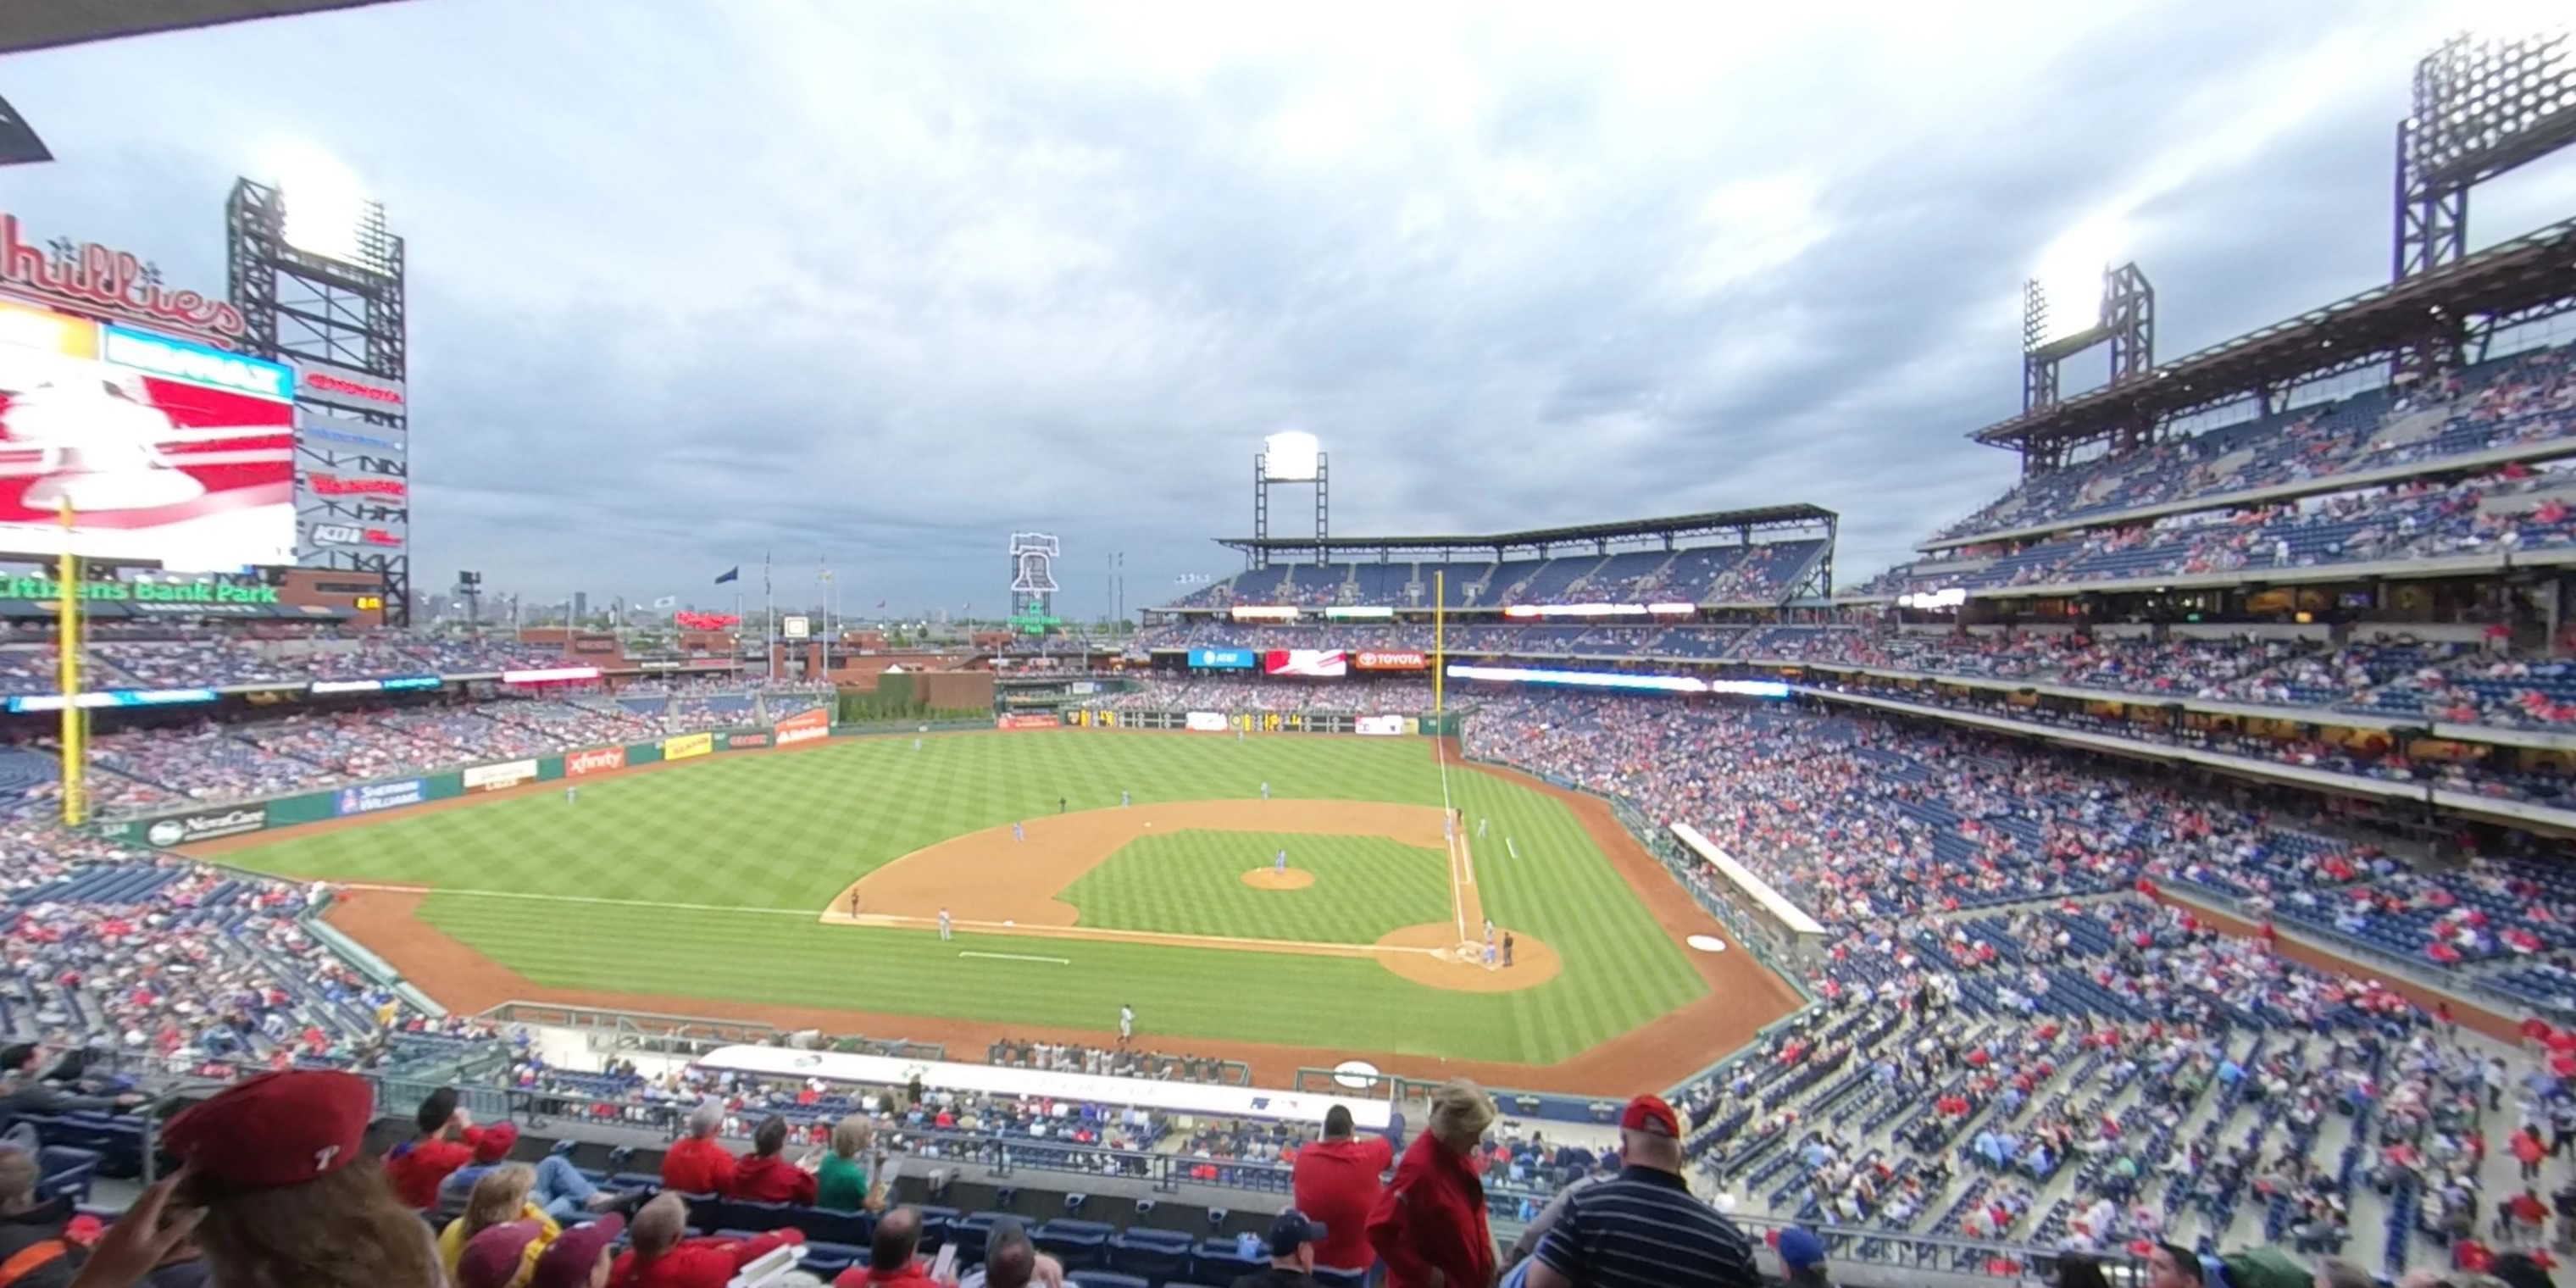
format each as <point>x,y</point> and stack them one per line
<point>1122,799</point>
<point>1019,832</point>
<point>1265,789</point>
<point>944,931</point>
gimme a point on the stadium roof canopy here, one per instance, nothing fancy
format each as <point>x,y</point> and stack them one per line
<point>1597,534</point>
<point>2521,280</point>
<point>44,24</point>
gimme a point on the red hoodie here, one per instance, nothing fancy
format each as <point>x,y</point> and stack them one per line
<point>697,1263</point>
<point>698,1166</point>
<point>416,1167</point>
<point>772,1180</point>
<point>1432,1217</point>
<point>1337,1183</point>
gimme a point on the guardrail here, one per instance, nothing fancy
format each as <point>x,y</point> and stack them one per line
<point>694,1034</point>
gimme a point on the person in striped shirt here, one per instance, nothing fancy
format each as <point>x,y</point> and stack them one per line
<point>1643,1228</point>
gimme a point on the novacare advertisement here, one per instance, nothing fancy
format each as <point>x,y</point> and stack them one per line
<point>688,745</point>
<point>367,798</point>
<point>206,825</point>
<point>492,778</point>
<point>804,726</point>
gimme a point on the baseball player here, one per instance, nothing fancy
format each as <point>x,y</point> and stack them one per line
<point>572,795</point>
<point>1126,1023</point>
<point>1480,828</point>
<point>944,931</point>
<point>1019,832</point>
<point>1265,789</point>
<point>1489,954</point>
<point>1489,932</point>
<point>916,744</point>
<point>854,901</point>
<point>1122,799</point>
<point>1279,863</point>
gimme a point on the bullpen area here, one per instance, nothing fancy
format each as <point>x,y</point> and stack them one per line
<point>1343,917</point>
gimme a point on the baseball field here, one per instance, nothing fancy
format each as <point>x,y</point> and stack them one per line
<point>805,888</point>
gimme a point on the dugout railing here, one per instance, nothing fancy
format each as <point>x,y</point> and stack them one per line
<point>610,1032</point>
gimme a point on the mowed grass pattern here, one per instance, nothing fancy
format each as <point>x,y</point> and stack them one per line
<point>1191,883</point>
<point>762,841</point>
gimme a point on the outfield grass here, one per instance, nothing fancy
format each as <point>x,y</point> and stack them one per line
<point>1191,883</point>
<point>746,850</point>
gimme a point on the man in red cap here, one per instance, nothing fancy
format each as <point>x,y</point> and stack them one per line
<point>661,1258</point>
<point>1642,1228</point>
<point>580,1257</point>
<point>561,1190</point>
<point>493,1258</point>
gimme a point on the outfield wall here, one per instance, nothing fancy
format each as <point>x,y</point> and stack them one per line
<point>169,829</point>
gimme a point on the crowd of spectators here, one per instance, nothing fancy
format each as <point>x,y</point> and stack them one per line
<point>1758,574</point>
<point>1115,1062</point>
<point>2519,400</point>
<point>1210,693</point>
<point>168,658</point>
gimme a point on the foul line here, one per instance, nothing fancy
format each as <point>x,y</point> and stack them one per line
<point>1097,934</point>
<point>1016,957</point>
<point>1451,825</point>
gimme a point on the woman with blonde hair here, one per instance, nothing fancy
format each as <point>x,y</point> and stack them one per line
<point>849,1175</point>
<point>1429,1223</point>
<point>500,1198</point>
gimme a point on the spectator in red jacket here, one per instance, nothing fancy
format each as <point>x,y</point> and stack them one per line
<point>699,1164</point>
<point>894,1256</point>
<point>1337,1182</point>
<point>1429,1226</point>
<point>662,1259</point>
<point>766,1174</point>
<point>446,1142</point>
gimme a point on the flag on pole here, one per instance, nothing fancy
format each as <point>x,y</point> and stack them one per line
<point>880,603</point>
<point>764,572</point>
<point>730,574</point>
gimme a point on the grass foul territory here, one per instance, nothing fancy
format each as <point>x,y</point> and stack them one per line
<point>683,882</point>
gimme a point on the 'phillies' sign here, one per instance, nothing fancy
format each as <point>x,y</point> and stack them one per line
<point>102,279</point>
<point>336,485</point>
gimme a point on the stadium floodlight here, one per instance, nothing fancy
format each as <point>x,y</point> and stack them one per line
<point>326,205</point>
<point>2068,282</point>
<point>1289,457</point>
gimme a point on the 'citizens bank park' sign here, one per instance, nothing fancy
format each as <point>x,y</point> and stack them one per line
<point>97,279</point>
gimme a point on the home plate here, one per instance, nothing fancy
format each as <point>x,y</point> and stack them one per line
<point>1707,943</point>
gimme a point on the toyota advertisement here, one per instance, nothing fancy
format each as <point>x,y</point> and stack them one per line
<point>167,450</point>
<point>1319,663</point>
<point>1389,659</point>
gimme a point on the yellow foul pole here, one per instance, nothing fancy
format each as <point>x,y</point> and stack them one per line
<point>67,634</point>
<point>1439,631</point>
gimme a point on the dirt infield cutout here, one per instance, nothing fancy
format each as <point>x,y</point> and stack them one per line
<point>1007,879</point>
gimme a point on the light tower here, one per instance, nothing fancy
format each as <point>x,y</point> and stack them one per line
<point>1294,458</point>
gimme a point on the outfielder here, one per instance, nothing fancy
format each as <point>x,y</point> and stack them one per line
<point>1265,789</point>
<point>1126,1023</point>
<point>944,931</point>
<point>572,795</point>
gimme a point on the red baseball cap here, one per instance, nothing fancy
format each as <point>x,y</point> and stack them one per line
<point>492,1259</point>
<point>276,1129</point>
<point>496,1142</point>
<point>1651,1115</point>
<point>575,1253</point>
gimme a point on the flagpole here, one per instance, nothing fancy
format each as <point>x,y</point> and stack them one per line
<point>768,618</point>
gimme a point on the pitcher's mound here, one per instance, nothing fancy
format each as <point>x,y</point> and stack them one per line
<point>1453,965</point>
<point>1272,879</point>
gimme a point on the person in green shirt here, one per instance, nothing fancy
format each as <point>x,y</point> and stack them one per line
<point>841,1183</point>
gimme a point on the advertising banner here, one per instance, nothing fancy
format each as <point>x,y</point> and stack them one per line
<point>745,741</point>
<point>1379,726</point>
<point>796,628</point>
<point>1319,663</point>
<point>1390,659</point>
<point>1206,722</point>
<point>319,427</point>
<point>26,702</point>
<point>688,745</point>
<point>341,387</point>
<point>206,825</point>
<point>551,675</point>
<point>367,798</point>
<point>1223,659</point>
<point>1026,721</point>
<point>806,726</point>
<point>351,534</point>
<point>598,760</point>
<point>171,451</point>
<point>492,778</point>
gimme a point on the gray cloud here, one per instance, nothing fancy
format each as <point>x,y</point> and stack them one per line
<point>889,282</point>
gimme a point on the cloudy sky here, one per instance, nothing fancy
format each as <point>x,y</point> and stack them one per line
<point>888,281</point>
